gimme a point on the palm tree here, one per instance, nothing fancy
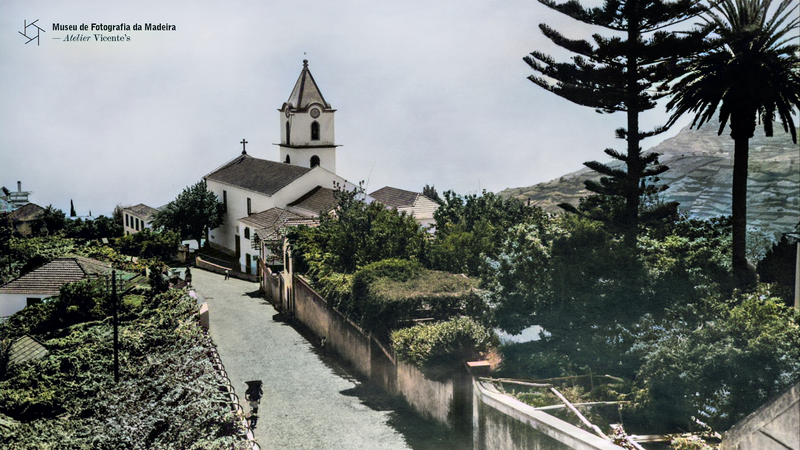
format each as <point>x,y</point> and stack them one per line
<point>752,75</point>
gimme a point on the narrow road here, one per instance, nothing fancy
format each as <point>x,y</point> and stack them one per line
<point>309,403</point>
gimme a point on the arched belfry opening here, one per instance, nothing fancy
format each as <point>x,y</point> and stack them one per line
<point>314,161</point>
<point>315,131</point>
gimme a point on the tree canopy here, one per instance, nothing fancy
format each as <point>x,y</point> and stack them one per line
<point>618,74</point>
<point>750,74</point>
<point>193,212</point>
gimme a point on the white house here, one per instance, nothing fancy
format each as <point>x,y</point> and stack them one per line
<point>46,281</point>
<point>301,184</point>
<point>416,205</point>
<point>137,218</point>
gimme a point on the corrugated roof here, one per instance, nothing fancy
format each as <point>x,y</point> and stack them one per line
<point>25,349</point>
<point>318,200</point>
<point>305,92</point>
<point>259,175</point>
<point>394,197</point>
<point>48,279</point>
<point>142,210</point>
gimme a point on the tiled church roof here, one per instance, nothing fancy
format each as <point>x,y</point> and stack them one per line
<point>258,175</point>
<point>317,200</point>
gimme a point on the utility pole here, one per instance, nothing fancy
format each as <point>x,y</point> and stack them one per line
<point>116,331</point>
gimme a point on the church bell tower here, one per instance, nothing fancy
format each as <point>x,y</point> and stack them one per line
<point>306,124</point>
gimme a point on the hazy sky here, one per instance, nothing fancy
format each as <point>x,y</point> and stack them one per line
<point>426,92</point>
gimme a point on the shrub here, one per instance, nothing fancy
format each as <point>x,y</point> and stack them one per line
<point>441,349</point>
<point>389,293</point>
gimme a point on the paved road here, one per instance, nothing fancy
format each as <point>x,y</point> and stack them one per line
<point>310,403</point>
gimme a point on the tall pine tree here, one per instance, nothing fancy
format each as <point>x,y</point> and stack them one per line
<point>618,74</point>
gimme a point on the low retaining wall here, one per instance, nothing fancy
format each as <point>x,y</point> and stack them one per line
<point>340,334</point>
<point>502,422</point>
<point>216,268</point>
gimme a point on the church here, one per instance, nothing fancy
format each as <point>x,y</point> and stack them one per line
<point>260,195</point>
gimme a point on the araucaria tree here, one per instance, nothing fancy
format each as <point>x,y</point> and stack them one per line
<point>617,74</point>
<point>195,211</point>
<point>752,75</point>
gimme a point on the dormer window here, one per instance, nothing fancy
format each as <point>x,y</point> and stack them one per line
<point>315,131</point>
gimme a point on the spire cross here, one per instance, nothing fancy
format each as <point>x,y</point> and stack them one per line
<point>244,152</point>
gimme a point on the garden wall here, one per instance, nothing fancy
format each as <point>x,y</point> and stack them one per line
<point>502,422</point>
<point>439,401</point>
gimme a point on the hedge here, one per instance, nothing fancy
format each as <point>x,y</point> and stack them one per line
<point>439,349</point>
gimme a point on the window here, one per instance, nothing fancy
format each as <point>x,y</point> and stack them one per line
<point>137,224</point>
<point>249,206</point>
<point>288,160</point>
<point>314,161</point>
<point>247,232</point>
<point>225,200</point>
<point>127,222</point>
<point>288,132</point>
<point>315,131</point>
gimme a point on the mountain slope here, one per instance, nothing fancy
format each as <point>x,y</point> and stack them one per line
<point>701,170</point>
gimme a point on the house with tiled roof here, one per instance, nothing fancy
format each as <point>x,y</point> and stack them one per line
<point>255,191</point>
<point>137,218</point>
<point>415,204</point>
<point>263,233</point>
<point>47,280</point>
<point>24,219</point>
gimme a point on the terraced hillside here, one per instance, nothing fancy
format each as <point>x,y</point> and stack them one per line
<point>701,170</point>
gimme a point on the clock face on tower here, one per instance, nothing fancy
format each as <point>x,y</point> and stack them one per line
<point>286,111</point>
<point>314,113</point>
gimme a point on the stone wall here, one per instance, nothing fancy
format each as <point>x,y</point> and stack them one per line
<point>775,425</point>
<point>502,422</point>
<point>343,336</point>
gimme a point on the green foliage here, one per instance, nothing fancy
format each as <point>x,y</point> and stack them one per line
<point>53,220</point>
<point>721,366</point>
<point>158,281</point>
<point>778,266</point>
<point>470,229</point>
<point>98,228</point>
<point>389,302</point>
<point>750,73</point>
<point>148,244</point>
<point>357,234</point>
<point>169,395</point>
<point>617,74</point>
<point>520,277</point>
<point>193,212</point>
<point>441,348</point>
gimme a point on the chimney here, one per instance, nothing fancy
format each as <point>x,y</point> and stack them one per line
<point>19,186</point>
